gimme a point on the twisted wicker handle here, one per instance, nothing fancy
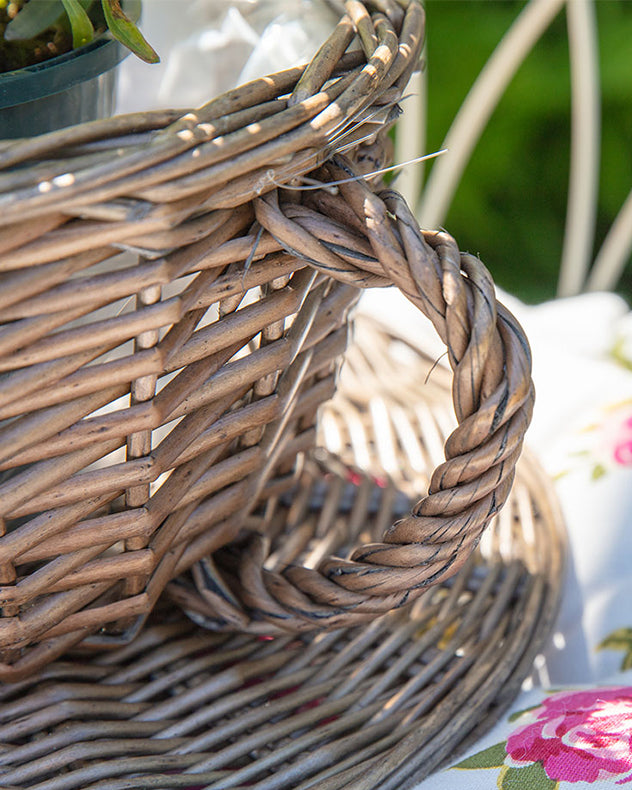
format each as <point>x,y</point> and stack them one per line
<point>364,238</point>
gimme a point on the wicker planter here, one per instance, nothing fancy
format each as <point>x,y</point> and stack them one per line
<point>171,319</point>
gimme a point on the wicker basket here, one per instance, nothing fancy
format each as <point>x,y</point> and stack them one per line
<point>172,317</point>
<point>372,707</point>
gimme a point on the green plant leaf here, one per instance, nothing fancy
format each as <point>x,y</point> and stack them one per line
<point>80,24</point>
<point>33,19</point>
<point>531,777</point>
<point>518,713</point>
<point>493,757</point>
<point>126,31</point>
<point>599,470</point>
<point>619,355</point>
<point>621,639</point>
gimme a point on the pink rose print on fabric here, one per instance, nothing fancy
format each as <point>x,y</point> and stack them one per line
<point>610,441</point>
<point>622,451</point>
<point>569,737</point>
<point>579,736</point>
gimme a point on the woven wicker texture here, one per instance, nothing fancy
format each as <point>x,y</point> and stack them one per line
<point>170,321</point>
<point>372,706</point>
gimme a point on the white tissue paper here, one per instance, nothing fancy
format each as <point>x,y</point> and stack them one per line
<point>209,46</point>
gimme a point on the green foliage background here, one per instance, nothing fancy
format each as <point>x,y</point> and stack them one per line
<point>511,204</point>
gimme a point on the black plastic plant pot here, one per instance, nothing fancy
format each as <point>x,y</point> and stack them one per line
<point>72,88</point>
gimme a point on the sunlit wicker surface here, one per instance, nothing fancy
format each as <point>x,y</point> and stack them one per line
<point>373,706</point>
<point>150,399</point>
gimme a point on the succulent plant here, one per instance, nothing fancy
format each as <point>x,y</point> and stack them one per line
<point>28,19</point>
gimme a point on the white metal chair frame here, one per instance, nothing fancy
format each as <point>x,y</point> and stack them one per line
<point>578,272</point>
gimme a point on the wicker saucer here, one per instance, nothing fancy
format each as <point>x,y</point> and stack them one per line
<point>374,706</point>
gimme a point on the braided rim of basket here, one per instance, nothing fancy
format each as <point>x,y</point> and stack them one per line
<point>367,239</point>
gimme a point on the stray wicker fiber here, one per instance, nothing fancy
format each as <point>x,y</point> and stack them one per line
<point>170,320</point>
<point>373,706</point>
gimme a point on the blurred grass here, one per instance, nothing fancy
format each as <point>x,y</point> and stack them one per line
<point>511,204</point>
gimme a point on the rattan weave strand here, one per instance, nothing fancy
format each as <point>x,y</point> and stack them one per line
<point>170,320</point>
<point>374,706</point>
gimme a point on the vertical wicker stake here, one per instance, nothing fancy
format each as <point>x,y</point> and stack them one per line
<point>266,385</point>
<point>139,445</point>
<point>7,577</point>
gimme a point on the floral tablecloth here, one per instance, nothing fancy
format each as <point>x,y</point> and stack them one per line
<point>573,729</point>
